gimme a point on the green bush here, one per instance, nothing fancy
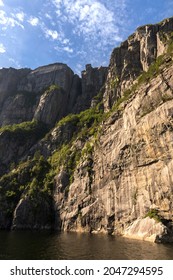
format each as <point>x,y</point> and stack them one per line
<point>153,70</point>
<point>71,118</point>
<point>25,130</point>
<point>153,214</point>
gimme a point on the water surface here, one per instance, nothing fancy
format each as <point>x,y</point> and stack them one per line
<point>25,245</point>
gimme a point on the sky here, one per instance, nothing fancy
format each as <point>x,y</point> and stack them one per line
<point>76,32</point>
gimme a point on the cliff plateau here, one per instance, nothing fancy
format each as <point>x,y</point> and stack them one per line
<point>95,153</point>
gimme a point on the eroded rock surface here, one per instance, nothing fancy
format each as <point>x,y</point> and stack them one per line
<point>131,168</point>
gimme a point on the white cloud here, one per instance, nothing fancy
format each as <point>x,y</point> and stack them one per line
<point>93,19</point>
<point>9,21</point>
<point>57,3</point>
<point>34,21</point>
<point>48,16</point>
<point>20,16</point>
<point>3,19</point>
<point>1,3</point>
<point>2,48</point>
<point>68,49</point>
<point>65,41</point>
<point>53,34</point>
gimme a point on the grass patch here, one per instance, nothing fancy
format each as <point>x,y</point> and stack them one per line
<point>153,71</point>
<point>67,156</point>
<point>52,88</point>
<point>153,214</point>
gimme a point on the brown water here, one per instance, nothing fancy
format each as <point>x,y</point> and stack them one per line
<point>46,245</point>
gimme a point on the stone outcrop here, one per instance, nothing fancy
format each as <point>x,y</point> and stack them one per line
<point>41,78</point>
<point>27,215</point>
<point>50,107</point>
<point>146,229</point>
<point>9,79</point>
<point>92,81</point>
<point>18,108</point>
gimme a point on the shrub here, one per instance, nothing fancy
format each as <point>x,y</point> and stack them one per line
<point>25,130</point>
<point>153,70</point>
<point>153,214</point>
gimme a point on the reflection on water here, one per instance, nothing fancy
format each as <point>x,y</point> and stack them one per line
<point>47,245</point>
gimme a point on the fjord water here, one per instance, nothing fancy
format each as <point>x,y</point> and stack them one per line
<point>48,246</point>
<point>25,245</point>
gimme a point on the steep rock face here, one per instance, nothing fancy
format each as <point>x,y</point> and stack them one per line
<point>75,93</point>
<point>133,56</point>
<point>92,81</point>
<point>15,143</point>
<point>50,107</point>
<point>26,94</point>
<point>130,170</point>
<point>53,140</point>
<point>18,108</point>
<point>9,79</point>
<point>41,78</point>
<point>22,94</point>
<point>27,215</point>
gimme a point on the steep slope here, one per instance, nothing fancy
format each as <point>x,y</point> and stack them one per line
<point>126,173</point>
<point>108,168</point>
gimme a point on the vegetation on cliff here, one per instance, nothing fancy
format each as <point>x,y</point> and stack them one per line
<point>25,130</point>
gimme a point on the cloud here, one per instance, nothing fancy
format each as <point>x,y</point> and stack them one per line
<point>65,41</point>
<point>20,16</point>
<point>48,16</point>
<point>1,3</point>
<point>9,21</point>
<point>68,49</point>
<point>92,19</point>
<point>53,34</point>
<point>95,27</point>
<point>34,21</point>
<point>67,30</point>
<point>2,48</point>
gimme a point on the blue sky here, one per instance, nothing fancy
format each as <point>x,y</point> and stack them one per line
<point>75,32</point>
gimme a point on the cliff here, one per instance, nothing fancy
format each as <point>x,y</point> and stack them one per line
<point>47,93</point>
<point>134,56</point>
<point>97,154</point>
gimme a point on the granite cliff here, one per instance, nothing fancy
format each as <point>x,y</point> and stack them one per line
<point>94,153</point>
